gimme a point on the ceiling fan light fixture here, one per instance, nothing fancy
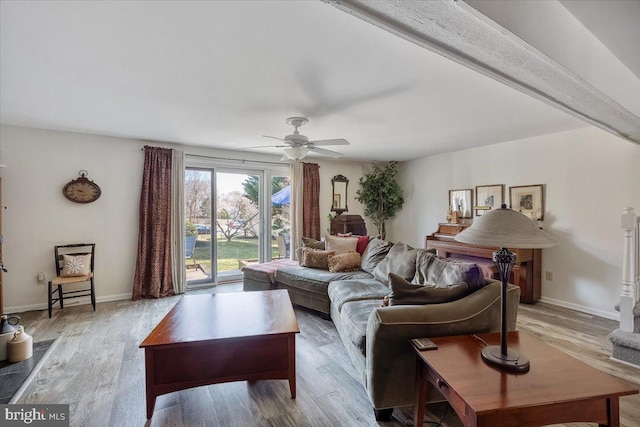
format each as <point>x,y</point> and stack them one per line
<point>296,153</point>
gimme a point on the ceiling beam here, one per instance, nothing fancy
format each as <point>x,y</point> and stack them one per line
<point>458,32</point>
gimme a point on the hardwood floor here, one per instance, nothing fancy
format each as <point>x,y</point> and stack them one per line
<point>98,369</point>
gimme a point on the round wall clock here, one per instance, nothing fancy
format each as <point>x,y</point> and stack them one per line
<point>81,190</point>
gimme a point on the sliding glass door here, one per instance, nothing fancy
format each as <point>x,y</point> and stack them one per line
<point>229,223</point>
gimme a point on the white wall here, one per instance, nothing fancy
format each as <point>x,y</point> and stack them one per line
<point>589,177</point>
<point>39,163</point>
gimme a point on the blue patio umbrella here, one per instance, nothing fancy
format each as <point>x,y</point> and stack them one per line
<point>282,197</point>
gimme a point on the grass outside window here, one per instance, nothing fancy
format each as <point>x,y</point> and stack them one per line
<point>229,253</point>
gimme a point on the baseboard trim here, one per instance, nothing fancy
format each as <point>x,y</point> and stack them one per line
<point>82,301</point>
<point>624,362</point>
<point>613,315</point>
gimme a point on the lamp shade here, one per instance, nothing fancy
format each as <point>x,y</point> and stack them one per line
<point>506,228</point>
<point>296,153</point>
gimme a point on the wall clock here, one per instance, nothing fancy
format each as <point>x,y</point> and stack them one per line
<point>81,190</point>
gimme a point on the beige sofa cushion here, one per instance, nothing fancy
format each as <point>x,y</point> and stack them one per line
<point>315,258</point>
<point>341,245</point>
<point>349,261</point>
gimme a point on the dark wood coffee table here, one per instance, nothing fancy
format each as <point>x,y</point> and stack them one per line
<point>557,389</point>
<point>215,338</point>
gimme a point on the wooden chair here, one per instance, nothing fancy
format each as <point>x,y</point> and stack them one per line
<point>80,258</point>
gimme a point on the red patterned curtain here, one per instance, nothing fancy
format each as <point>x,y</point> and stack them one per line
<point>153,278</point>
<point>311,201</point>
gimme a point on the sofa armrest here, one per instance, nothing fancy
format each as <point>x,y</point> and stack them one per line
<point>390,358</point>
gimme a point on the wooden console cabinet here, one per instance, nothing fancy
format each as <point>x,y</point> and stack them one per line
<point>348,224</point>
<point>527,273</point>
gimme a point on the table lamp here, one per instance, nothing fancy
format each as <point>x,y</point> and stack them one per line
<point>505,228</point>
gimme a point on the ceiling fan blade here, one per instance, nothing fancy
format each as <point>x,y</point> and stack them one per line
<point>324,152</point>
<point>264,146</point>
<point>339,141</point>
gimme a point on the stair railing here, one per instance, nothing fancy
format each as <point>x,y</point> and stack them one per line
<point>630,269</point>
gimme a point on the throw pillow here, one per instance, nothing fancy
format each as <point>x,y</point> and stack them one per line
<point>349,261</point>
<point>363,241</point>
<point>75,265</point>
<point>433,270</point>
<point>375,252</point>
<point>308,242</point>
<point>315,258</point>
<point>405,293</point>
<point>400,260</point>
<point>341,245</point>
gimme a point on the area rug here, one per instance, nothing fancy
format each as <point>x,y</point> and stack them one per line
<point>15,377</point>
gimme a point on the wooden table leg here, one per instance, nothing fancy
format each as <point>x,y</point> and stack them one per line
<point>149,369</point>
<point>292,365</point>
<point>613,413</point>
<point>421,393</point>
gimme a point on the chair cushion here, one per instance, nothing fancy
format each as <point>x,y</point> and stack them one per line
<point>343,291</point>
<point>349,261</point>
<point>405,293</point>
<point>60,280</point>
<point>76,265</point>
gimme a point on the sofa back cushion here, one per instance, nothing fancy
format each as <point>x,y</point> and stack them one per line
<point>340,245</point>
<point>315,258</point>
<point>309,242</point>
<point>405,293</point>
<point>349,261</point>
<point>433,270</point>
<point>375,252</point>
<point>400,260</point>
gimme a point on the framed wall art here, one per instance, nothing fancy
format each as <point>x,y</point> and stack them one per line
<point>488,197</point>
<point>462,202</point>
<point>528,199</point>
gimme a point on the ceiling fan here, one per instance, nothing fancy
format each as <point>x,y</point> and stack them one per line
<point>297,146</point>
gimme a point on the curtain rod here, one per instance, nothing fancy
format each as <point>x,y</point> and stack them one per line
<point>229,158</point>
<point>237,160</point>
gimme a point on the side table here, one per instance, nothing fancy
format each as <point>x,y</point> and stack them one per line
<point>557,389</point>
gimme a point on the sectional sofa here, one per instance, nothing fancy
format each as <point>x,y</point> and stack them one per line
<point>376,332</point>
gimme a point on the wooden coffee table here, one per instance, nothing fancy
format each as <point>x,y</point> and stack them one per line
<point>215,338</point>
<point>557,389</point>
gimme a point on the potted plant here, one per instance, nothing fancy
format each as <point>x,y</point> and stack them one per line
<point>381,195</point>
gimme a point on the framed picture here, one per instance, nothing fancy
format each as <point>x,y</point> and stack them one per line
<point>488,197</point>
<point>528,199</point>
<point>336,201</point>
<point>462,202</point>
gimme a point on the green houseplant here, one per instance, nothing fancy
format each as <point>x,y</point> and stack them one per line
<point>381,195</point>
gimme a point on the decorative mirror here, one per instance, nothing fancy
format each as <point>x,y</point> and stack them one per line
<point>339,202</point>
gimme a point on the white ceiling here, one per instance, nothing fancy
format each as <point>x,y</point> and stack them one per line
<point>221,74</point>
<point>615,23</point>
